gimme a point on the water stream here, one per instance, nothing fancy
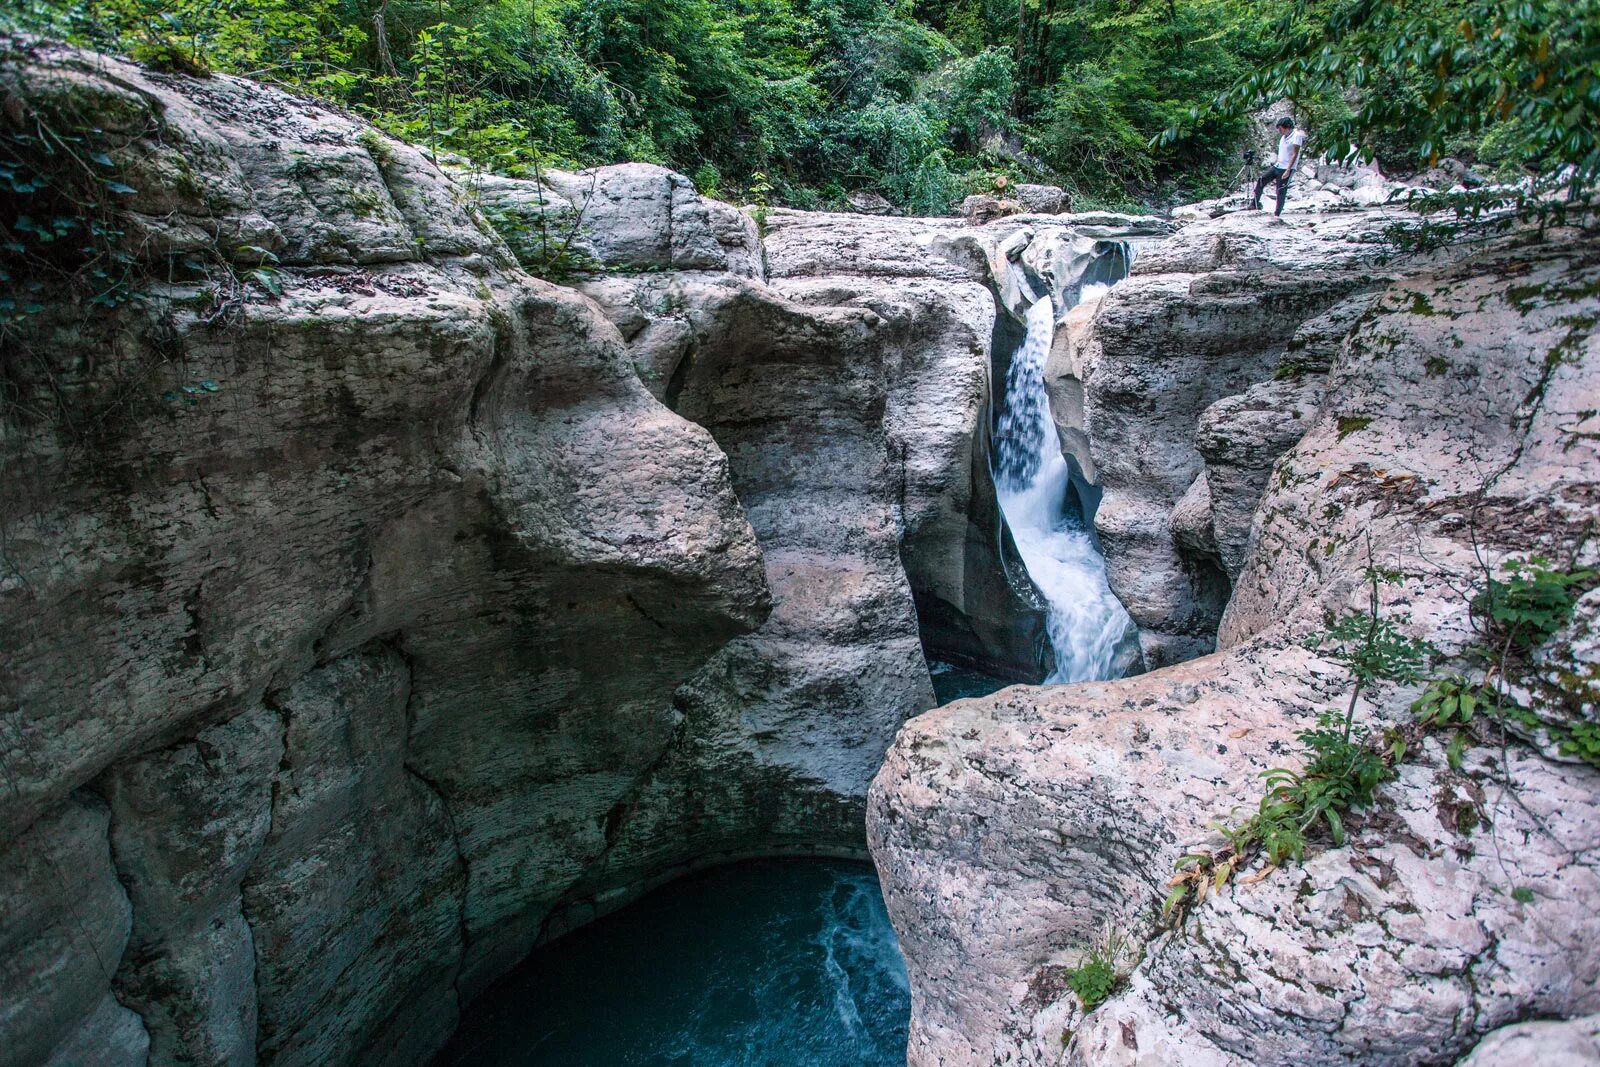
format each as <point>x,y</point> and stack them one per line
<point>1086,622</point>
<point>793,963</point>
<point>772,963</point>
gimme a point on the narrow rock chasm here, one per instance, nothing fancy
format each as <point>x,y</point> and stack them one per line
<point>369,630</point>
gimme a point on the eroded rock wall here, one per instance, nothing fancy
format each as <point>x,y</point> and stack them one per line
<point>418,608</point>
<point>1206,315</point>
<point>1014,831</point>
<point>323,684</point>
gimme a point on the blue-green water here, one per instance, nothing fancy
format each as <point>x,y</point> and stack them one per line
<point>771,963</point>
<point>957,683</point>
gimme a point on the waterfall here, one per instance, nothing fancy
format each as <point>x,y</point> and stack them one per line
<point>1086,623</point>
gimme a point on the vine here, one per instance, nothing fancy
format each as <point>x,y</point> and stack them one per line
<point>76,278</point>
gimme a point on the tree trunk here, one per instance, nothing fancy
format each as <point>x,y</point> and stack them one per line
<point>1022,59</point>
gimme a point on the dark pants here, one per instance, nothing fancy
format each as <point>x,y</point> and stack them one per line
<point>1279,176</point>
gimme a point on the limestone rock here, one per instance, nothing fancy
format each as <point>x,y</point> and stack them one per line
<point>636,216</point>
<point>406,444</point>
<point>1012,830</point>
<point>980,208</point>
<point>196,992</point>
<point>187,823</point>
<point>111,1036</point>
<point>1193,522</point>
<point>65,922</point>
<point>868,203</point>
<point>1241,437</point>
<point>355,903</point>
<point>1042,199</point>
<point>1569,1043</point>
<point>1207,314</point>
<point>784,728</point>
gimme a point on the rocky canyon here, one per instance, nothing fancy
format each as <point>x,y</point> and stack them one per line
<point>374,610</point>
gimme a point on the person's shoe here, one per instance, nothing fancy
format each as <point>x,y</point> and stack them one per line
<point>1254,205</point>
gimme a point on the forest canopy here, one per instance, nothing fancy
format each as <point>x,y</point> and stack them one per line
<point>1124,102</point>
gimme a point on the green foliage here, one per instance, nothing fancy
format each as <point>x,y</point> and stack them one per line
<point>1342,772</point>
<point>61,213</point>
<point>1582,741</point>
<point>1349,424</point>
<point>1451,703</point>
<point>1127,71</point>
<point>708,181</point>
<point>1517,82</point>
<point>974,93</point>
<point>1093,981</point>
<point>1374,649</point>
<point>1344,764</point>
<point>1531,602</point>
<point>1097,977</point>
<point>821,96</point>
<point>905,99</point>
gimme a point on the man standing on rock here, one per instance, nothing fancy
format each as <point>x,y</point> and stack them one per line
<point>1290,142</point>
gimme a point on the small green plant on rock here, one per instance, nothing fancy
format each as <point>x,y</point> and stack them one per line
<point>760,191</point>
<point>1531,602</point>
<point>1451,703</point>
<point>1344,764</point>
<point>1096,978</point>
<point>1092,982</point>
<point>1521,609</point>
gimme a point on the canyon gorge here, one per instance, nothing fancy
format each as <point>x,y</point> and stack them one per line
<point>374,611</point>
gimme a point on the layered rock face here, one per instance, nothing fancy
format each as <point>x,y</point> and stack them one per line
<point>1454,426</point>
<point>1224,305</point>
<point>329,675</point>
<point>374,610</point>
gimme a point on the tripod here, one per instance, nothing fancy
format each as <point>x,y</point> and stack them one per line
<point>1244,181</point>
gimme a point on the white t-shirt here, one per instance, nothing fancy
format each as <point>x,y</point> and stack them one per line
<point>1286,146</point>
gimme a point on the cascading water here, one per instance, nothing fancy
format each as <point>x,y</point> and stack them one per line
<point>1086,623</point>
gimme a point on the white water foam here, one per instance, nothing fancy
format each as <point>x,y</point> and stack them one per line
<point>1086,622</point>
<point>861,959</point>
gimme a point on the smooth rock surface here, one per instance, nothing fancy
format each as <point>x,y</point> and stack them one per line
<point>1574,1043</point>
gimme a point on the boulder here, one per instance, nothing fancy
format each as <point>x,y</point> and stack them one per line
<point>868,203</point>
<point>1042,199</point>
<point>980,208</point>
<point>1449,173</point>
<point>629,217</point>
<point>1567,1043</point>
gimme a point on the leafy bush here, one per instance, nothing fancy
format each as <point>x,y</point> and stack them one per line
<point>1531,602</point>
<point>1374,649</point>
